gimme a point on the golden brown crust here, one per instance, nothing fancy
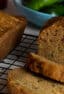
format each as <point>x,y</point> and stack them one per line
<point>23,20</point>
<point>11,30</point>
<point>46,67</point>
<point>50,23</point>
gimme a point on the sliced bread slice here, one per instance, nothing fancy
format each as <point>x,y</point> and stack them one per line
<point>43,66</point>
<point>21,81</point>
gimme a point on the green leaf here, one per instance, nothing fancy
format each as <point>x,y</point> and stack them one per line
<point>56,9</point>
<point>37,4</point>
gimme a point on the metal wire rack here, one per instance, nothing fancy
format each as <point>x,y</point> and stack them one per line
<point>16,58</point>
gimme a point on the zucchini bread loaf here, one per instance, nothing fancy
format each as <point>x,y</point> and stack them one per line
<point>50,59</point>
<point>21,81</point>
<point>51,40</point>
<point>11,29</point>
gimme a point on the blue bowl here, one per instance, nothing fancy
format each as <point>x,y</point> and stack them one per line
<point>37,18</point>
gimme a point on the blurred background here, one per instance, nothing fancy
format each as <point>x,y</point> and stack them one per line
<point>36,11</point>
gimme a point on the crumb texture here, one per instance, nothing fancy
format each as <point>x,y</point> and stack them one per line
<point>28,83</point>
<point>51,40</point>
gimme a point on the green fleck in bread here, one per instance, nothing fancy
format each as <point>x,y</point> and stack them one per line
<point>22,82</point>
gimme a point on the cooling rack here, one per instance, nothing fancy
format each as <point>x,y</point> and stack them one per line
<point>16,58</point>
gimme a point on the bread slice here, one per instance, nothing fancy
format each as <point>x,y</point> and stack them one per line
<point>11,30</point>
<point>43,66</point>
<point>21,81</point>
<point>51,40</point>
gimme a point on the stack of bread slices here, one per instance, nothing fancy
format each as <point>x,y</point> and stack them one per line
<point>44,71</point>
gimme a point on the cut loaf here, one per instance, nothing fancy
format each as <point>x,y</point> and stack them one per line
<point>50,59</point>
<point>21,81</point>
<point>11,29</point>
<point>51,40</point>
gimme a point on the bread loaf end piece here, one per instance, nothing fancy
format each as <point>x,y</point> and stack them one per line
<point>11,30</point>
